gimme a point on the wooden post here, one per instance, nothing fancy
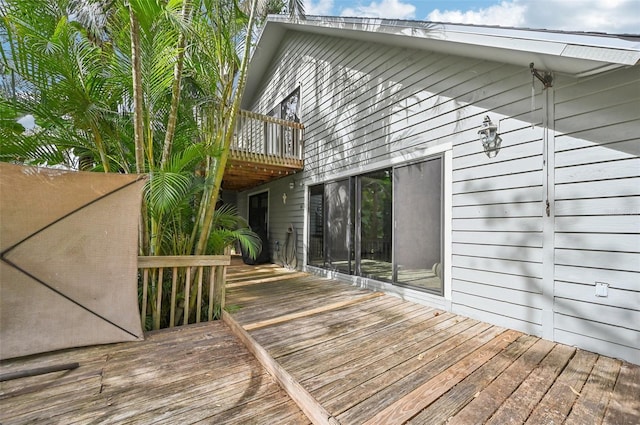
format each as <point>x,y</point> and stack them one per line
<point>199,295</point>
<point>156,318</point>
<point>212,281</point>
<point>174,281</point>
<point>187,290</point>
<point>219,287</point>
<point>145,288</point>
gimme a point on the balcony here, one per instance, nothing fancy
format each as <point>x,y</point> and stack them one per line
<point>263,149</point>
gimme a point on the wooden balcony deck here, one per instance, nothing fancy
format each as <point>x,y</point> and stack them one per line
<point>263,149</point>
<point>366,358</point>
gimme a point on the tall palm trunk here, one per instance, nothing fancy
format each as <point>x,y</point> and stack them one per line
<point>175,89</point>
<point>227,135</point>
<point>138,124</point>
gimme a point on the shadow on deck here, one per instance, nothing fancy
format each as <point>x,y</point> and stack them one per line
<point>363,357</point>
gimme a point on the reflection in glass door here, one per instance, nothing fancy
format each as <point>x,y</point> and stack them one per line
<point>339,235</point>
<point>316,226</point>
<point>374,225</point>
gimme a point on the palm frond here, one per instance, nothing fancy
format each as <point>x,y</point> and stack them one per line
<point>165,191</point>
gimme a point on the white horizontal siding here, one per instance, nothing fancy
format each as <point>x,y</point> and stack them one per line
<point>616,278</point>
<point>520,268</point>
<point>500,279</point>
<point>598,189</point>
<point>620,206</point>
<point>502,314</point>
<point>578,333</point>
<point>522,209</point>
<point>530,239</point>
<point>497,216</point>
<point>599,242</point>
<point>622,298</point>
<point>518,253</point>
<point>597,224</point>
<point>365,104</point>
<point>503,196</point>
<point>575,152</point>
<point>530,179</point>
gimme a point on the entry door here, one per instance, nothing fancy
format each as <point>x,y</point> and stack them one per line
<point>259,213</point>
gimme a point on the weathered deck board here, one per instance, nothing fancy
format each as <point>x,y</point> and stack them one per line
<point>184,375</point>
<point>624,408</point>
<point>460,395</point>
<point>387,361</point>
<point>356,356</point>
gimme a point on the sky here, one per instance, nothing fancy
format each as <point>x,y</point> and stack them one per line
<point>608,16</point>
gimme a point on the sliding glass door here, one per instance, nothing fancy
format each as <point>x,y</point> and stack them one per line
<point>385,225</point>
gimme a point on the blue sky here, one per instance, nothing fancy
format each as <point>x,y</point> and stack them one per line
<point>610,16</point>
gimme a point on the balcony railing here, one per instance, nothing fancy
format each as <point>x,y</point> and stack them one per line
<point>264,148</point>
<point>262,138</point>
<point>191,291</point>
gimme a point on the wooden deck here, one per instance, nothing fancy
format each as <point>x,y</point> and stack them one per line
<point>369,358</point>
<point>362,357</point>
<point>194,374</point>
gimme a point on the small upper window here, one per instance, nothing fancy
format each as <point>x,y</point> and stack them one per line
<point>290,107</point>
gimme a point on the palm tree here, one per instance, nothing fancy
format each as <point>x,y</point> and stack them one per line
<point>148,87</point>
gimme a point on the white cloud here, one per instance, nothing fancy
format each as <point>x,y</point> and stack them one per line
<point>612,16</point>
<point>506,14</point>
<point>28,122</point>
<point>319,7</point>
<point>391,9</point>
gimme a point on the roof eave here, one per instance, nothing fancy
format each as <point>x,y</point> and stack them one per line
<point>576,54</point>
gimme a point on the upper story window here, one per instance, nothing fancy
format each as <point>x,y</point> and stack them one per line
<point>289,108</point>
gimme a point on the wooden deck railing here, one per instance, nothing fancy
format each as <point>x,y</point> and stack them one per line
<point>188,278</point>
<point>262,138</point>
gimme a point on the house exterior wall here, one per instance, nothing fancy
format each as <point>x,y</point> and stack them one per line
<point>282,213</point>
<point>597,213</point>
<point>507,260</point>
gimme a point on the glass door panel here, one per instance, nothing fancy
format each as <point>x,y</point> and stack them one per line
<point>418,225</point>
<point>339,229</point>
<point>316,226</point>
<point>375,225</point>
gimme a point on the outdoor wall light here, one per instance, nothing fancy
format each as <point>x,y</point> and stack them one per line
<point>292,185</point>
<point>489,137</point>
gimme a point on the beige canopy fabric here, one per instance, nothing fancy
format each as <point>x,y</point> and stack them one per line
<point>68,259</point>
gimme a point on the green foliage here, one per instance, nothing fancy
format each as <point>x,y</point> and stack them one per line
<point>229,227</point>
<point>72,65</point>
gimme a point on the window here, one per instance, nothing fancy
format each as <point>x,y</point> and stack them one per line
<point>280,140</point>
<point>385,225</point>
<point>290,107</point>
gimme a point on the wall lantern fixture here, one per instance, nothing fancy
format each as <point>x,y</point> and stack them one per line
<point>292,185</point>
<point>489,137</point>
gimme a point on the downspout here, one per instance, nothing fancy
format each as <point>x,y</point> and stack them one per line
<point>548,217</point>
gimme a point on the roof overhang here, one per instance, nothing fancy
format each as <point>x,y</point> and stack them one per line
<point>572,53</point>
